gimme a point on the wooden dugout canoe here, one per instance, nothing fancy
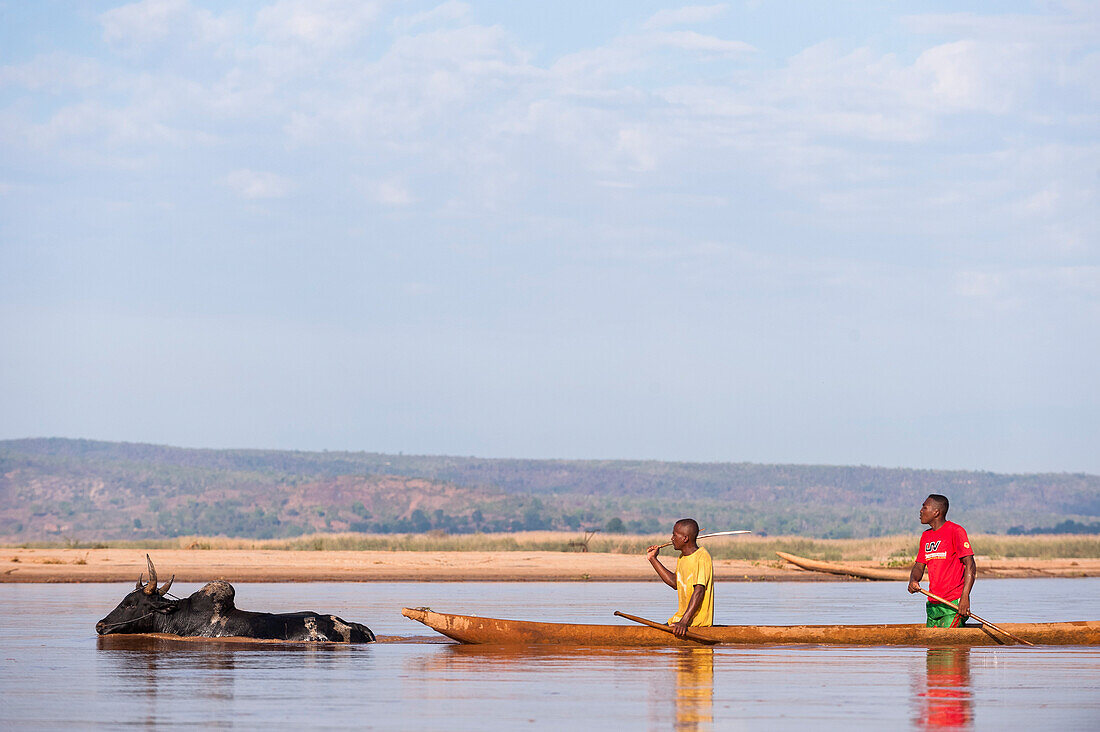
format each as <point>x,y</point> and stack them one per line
<point>495,631</point>
<point>846,569</point>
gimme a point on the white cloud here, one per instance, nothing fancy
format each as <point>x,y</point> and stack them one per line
<point>635,53</point>
<point>1019,287</point>
<point>390,193</point>
<point>471,48</point>
<point>979,284</point>
<point>595,65</point>
<point>638,148</point>
<point>449,12</point>
<point>150,24</point>
<point>428,89</point>
<point>837,126</point>
<point>54,72</point>
<point>861,95</point>
<point>967,75</point>
<point>92,132</point>
<point>688,15</point>
<point>1070,25</point>
<point>142,22</point>
<point>1041,203</point>
<point>257,184</point>
<point>692,41</point>
<point>317,23</point>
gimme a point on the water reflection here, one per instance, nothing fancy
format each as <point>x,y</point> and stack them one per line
<point>680,681</point>
<point>152,674</point>
<point>143,669</point>
<point>695,688</point>
<point>944,699</point>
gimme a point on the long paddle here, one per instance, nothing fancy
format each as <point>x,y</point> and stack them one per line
<point>983,621</point>
<point>707,536</point>
<point>667,629</point>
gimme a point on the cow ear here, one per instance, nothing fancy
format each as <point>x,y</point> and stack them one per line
<point>169,608</point>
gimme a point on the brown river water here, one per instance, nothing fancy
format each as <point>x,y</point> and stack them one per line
<point>55,673</point>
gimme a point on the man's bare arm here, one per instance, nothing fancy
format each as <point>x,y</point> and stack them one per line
<point>680,628</point>
<point>970,571</point>
<point>915,576</point>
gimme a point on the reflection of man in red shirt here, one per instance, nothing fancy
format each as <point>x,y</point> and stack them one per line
<point>945,551</point>
<point>945,700</point>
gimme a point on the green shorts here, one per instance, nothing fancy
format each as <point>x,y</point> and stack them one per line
<point>941,616</point>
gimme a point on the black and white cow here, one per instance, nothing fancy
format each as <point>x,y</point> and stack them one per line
<point>210,613</point>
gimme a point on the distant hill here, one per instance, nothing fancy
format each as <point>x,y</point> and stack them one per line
<point>88,490</point>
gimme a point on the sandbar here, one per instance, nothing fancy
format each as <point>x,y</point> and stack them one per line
<point>260,565</point>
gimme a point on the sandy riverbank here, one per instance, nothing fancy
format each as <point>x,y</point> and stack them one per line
<point>249,565</point>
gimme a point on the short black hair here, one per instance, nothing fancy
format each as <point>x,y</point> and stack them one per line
<point>944,504</point>
<point>690,524</point>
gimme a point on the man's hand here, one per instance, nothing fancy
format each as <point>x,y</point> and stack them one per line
<point>914,586</point>
<point>680,629</point>
<point>662,571</point>
<point>964,606</point>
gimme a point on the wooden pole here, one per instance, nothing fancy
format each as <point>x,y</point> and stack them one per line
<point>707,536</point>
<point>668,629</point>
<point>983,621</point>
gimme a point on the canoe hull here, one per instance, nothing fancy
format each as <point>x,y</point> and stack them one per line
<point>496,631</point>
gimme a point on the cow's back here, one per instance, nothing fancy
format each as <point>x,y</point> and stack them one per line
<point>211,612</point>
<point>307,626</point>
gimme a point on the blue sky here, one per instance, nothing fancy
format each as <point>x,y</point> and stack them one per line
<point>834,232</point>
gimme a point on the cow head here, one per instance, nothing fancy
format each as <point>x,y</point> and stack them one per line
<point>137,612</point>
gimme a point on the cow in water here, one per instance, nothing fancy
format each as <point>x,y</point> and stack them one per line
<point>210,613</point>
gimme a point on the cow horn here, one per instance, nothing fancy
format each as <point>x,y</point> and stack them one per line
<point>140,582</point>
<point>164,590</point>
<point>152,586</point>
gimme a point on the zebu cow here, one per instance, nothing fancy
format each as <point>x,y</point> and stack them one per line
<point>210,613</point>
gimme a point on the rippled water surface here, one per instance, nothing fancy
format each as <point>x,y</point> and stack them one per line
<point>56,673</point>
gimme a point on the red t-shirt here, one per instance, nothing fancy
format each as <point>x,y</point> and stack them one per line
<point>942,552</point>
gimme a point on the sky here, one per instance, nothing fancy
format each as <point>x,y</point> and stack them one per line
<point>837,232</point>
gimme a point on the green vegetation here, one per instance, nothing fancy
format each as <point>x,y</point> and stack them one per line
<point>227,518</point>
<point>1065,527</point>
<point>94,491</point>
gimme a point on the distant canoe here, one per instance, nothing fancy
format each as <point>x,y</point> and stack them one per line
<point>846,569</point>
<point>495,631</point>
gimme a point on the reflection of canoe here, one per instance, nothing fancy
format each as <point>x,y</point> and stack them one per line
<point>845,569</point>
<point>471,629</point>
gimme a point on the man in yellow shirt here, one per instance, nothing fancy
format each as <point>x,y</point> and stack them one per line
<point>693,580</point>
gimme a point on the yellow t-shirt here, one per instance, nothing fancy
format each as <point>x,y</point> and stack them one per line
<point>695,569</point>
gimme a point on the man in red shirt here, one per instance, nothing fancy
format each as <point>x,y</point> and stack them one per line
<point>945,550</point>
